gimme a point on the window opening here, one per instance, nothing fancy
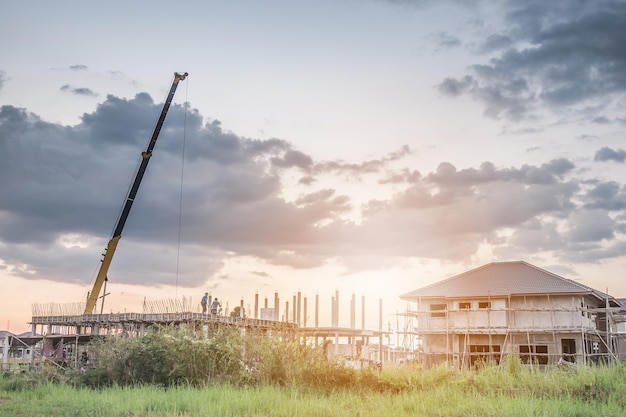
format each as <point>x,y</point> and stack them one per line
<point>536,354</point>
<point>438,310</point>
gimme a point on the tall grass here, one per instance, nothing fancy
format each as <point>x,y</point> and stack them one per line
<point>178,372</point>
<point>445,399</point>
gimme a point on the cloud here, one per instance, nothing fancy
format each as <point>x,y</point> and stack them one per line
<point>62,187</point>
<point>550,55</point>
<point>496,42</point>
<point>445,41</point>
<point>78,67</point>
<point>81,91</point>
<point>609,196</point>
<point>3,79</point>
<point>366,167</point>
<point>608,154</point>
<point>591,226</point>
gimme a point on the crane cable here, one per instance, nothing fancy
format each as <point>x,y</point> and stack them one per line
<point>182,176</point>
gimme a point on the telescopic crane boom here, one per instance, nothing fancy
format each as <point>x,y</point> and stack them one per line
<point>117,233</point>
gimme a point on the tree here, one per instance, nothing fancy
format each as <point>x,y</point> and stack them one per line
<point>237,312</point>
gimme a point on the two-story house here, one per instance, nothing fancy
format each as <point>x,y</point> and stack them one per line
<point>513,307</point>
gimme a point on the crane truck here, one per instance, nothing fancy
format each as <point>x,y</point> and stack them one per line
<point>130,198</point>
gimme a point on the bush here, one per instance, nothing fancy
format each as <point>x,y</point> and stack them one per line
<point>166,357</point>
<point>13,383</point>
<point>170,356</point>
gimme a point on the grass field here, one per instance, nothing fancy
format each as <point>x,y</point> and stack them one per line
<point>175,372</point>
<point>439,392</point>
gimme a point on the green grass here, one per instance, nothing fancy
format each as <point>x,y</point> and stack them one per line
<point>175,372</point>
<point>488,392</point>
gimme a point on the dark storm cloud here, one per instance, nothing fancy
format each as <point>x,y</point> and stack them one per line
<point>608,154</point>
<point>81,91</point>
<point>62,187</point>
<point>557,54</point>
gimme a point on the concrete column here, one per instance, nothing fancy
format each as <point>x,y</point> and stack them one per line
<point>304,313</point>
<point>317,309</point>
<point>380,329</point>
<point>336,308</point>
<point>352,312</point>
<point>362,312</point>
<point>256,305</point>
<point>299,308</point>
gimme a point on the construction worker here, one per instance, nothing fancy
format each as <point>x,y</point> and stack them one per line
<point>204,301</point>
<point>215,307</point>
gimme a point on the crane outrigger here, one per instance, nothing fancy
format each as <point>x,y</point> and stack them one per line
<point>117,233</point>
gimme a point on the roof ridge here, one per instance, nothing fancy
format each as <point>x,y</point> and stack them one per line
<point>453,277</point>
<point>571,281</point>
<point>513,277</point>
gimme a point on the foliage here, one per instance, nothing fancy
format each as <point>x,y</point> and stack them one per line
<point>452,395</point>
<point>237,312</point>
<point>166,357</point>
<point>170,356</point>
<point>277,376</point>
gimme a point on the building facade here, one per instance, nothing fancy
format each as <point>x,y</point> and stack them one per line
<point>514,307</point>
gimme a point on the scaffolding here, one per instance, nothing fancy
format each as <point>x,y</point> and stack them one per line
<point>361,345</point>
<point>540,330</point>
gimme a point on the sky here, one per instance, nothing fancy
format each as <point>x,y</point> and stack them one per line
<point>369,147</point>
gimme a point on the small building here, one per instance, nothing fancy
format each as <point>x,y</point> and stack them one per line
<point>15,350</point>
<point>514,307</point>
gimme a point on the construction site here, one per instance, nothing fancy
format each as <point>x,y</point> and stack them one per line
<point>475,317</point>
<point>59,330</point>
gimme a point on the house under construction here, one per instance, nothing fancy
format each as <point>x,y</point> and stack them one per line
<point>514,307</point>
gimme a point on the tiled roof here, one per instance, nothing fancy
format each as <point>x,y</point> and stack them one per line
<point>502,279</point>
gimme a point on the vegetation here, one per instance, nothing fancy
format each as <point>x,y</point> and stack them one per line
<point>179,373</point>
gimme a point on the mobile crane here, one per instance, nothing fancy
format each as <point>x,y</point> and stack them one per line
<point>117,233</point>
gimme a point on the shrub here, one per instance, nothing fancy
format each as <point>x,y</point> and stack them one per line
<point>13,383</point>
<point>166,357</point>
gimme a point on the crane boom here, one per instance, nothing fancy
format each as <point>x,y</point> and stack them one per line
<point>117,233</point>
